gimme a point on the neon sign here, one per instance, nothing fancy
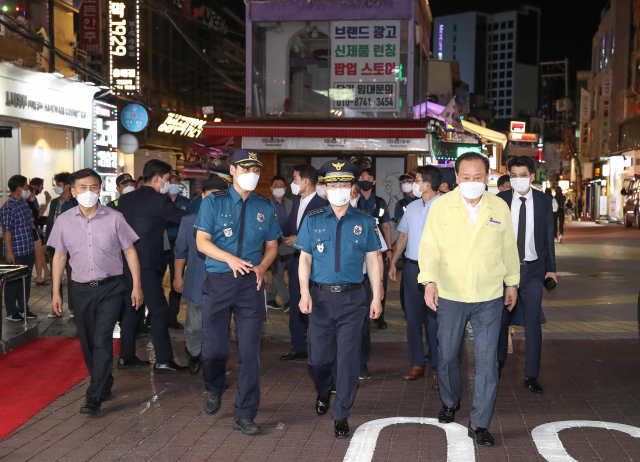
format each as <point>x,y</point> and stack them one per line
<point>440,40</point>
<point>181,125</point>
<point>124,46</point>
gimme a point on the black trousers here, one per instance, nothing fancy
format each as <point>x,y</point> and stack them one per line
<point>158,310</point>
<point>174,297</point>
<point>223,295</point>
<point>13,297</point>
<point>530,306</point>
<point>298,322</point>
<point>558,222</point>
<point>365,348</point>
<point>96,312</point>
<point>385,279</point>
<point>69,281</point>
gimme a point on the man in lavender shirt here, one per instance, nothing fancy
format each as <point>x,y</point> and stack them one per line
<point>94,236</point>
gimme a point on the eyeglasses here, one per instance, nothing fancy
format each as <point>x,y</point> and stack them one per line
<point>522,175</point>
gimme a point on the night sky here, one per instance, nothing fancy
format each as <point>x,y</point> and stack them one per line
<point>567,26</point>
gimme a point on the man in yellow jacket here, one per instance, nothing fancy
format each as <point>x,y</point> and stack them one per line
<point>468,254</point>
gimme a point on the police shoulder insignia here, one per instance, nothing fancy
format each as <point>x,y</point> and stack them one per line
<point>260,196</point>
<point>219,193</point>
<point>316,211</point>
<point>364,212</point>
<point>375,229</point>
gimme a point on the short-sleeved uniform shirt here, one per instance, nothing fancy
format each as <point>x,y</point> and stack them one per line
<point>220,215</point>
<point>16,217</point>
<point>400,208</point>
<point>338,247</point>
<point>94,245</point>
<point>412,224</point>
<point>369,205</point>
<point>181,203</point>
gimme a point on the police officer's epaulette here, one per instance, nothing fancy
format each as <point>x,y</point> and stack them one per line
<point>364,212</point>
<point>219,193</point>
<point>316,211</point>
<point>260,196</point>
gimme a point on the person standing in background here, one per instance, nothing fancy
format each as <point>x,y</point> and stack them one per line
<point>221,171</point>
<point>41,259</point>
<point>559,214</point>
<point>569,207</point>
<point>406,183</point>
<point>504,183</point>
<point>18,247</point>
<point>379,210</point>
<point>282,207</point>
<point>42,269</point>
<point>124,184</point>
<point>305,179</point>
<point>148,210</point>
<point>190,283</point>
<point>181,203</point>
<point>65,201</point>
<point>321,189</point>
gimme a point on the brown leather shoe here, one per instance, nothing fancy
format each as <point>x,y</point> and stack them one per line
<point>414,373</point>
<point>434,384</point>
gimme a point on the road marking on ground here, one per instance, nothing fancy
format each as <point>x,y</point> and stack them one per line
<point>460,448</point>
<point>607,300</point>
<point>550,446</point>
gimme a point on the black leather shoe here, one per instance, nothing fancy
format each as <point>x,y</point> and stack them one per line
<point>168,366</point>
<point>246,426</point>
<point>91,406</point>
<point>212,403</point>
<point>341,428</point>
<point>533,385</point>
<point>381,323</point>
<point>500,367</point>
<point>322,404</point>
<point>133,362</point>
<point>292,356</point>
<point>448,414</point>
<point>175,325</point>
<point>194,364</point>
<point>364,372</point>
<point>481,436</point>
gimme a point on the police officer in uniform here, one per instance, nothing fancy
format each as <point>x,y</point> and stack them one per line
<point>231,227</point>
<point>221,171</point>
<point>124,184</point>
<point>334,242</point>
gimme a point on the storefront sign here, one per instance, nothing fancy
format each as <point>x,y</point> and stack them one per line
<point>90,27</point>
<point>176,124</point>
<point>336,144</point>
<point>365,60</point>
<point>124,46</point>
<point>603,206</point>
<point>518,127</point>
<point>532,137</point>
<point>29,95</point>
<point>135,118</point>
<point>440,40</point>
<point>105,138</point>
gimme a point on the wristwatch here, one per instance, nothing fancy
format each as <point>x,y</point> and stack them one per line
<point>430,282</point>
<point>516,286</point>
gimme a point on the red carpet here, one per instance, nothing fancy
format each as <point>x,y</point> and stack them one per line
<point>35,375</point>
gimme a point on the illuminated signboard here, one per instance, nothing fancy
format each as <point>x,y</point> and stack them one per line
<point>124,46</point>
<point>440,40</point>
<point>518,127</point>
<point>105,138</point>
<point>532,137</point>
<point>181,125</point>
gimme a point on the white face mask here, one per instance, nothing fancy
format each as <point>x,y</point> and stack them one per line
<point>165,186</point>
<point>339,197</point>
<point>471,189</point>
<point>58,190</point>
<point>88,199</point>
<point>521,184</point>
<point>354,203</point>
<point>407,188</point>
<point>128,189</point>
<point>278,193</point>
<point>295,189</point>
<point>321,190</point>
<point>416,189</point>
<point>25,194</point>
<point>248,181</point>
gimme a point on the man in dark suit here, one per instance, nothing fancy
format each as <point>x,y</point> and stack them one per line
<point>148,210</point>
<point>305,178</point>
<point>532,218</point>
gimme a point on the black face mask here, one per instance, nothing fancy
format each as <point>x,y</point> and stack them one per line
<point>366,185</point>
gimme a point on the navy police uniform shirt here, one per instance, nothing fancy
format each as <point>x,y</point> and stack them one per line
<point>370,206</point>
<point>338,247</point>
<point>220,216</point>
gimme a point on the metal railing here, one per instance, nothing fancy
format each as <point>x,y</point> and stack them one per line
<point>9,273</point>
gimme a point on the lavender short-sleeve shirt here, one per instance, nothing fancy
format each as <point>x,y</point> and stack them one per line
<point>94,246</point>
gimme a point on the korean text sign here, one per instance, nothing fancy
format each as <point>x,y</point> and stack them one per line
<point>365,65</point>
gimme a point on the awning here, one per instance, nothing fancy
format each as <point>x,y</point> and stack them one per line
<point>485,133</point>
<point>389,129</point>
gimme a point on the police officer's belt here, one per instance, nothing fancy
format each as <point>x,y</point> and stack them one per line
<point>342,288</point>
<point>415,262</point>
<point>100,282</point>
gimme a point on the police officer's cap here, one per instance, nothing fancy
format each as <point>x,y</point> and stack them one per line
<point>408,176</point>
<point>338,171</point>
<point>124,178</point>
<point>214,182</point>
<point>223,172</point>
<point>246,158</point>
<point>175,174</point>
<point>320,178</point>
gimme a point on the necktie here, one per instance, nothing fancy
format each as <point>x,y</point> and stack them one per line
<point>241,230</point>
<point>522,228</point>
<point>338,239</point>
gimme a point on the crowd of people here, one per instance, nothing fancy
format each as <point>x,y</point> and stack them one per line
<point>467,256</point>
